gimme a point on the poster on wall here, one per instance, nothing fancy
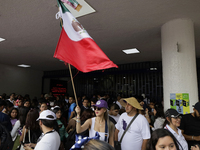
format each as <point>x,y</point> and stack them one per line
<point>180,102</point>
<point>58,87</point>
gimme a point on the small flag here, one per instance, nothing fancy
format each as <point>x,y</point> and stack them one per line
<point>73,3</point>
<point>76,47</point>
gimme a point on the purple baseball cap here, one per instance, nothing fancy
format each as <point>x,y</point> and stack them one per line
<point>101,104</point>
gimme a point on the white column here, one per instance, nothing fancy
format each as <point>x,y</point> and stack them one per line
<point>179,60</point>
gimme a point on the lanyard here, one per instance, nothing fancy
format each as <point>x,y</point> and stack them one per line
<point>44,135</point>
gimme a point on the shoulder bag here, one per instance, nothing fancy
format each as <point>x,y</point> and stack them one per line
<point>21,147</point>
<point>117,144</point>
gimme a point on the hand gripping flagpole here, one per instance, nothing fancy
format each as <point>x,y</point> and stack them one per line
<point>58,15</point>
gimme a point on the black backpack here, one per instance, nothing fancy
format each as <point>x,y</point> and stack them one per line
<point>6,139</point>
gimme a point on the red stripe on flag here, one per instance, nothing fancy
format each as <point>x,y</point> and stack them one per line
<point>85,54</point>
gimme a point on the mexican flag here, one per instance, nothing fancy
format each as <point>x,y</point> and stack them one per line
<point>76,47</point>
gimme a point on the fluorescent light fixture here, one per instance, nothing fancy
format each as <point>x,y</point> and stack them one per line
<point>85,10</point>
<point>1,39</point>
<point>24,66</point>
<point>131,51</point>
<point>153,68</point>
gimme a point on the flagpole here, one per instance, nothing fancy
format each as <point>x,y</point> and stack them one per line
<point>73,83</point>
<point>70,70</point>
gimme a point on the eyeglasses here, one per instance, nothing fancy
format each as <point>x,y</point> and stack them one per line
<point>179,117</point>
<point>97,108</point>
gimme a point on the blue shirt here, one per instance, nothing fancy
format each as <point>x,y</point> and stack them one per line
<point>71,108</point>
<point>5,120</point>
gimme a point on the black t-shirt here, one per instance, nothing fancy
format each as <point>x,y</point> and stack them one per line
<point>191,126</point>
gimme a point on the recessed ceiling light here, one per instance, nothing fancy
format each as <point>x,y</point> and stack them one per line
<point>131,51</point>
<point>24,66</point>
<point>1,39</point>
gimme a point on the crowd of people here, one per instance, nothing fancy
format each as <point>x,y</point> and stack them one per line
<point>97,123</point>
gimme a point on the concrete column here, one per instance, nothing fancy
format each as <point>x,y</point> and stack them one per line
<point>179,60</point>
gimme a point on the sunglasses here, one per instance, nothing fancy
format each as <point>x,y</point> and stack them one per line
<point>97,108</point>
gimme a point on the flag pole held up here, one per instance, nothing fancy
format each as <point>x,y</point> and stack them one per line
<point>70,72</point>
<point>73,83</point>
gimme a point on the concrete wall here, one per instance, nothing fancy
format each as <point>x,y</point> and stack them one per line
<point>20,80</point>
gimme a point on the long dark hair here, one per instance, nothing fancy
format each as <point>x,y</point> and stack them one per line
<point>11,112</point>
<point>156,135</point>
<point>55,110</point>
<point>23,111</point>
<point>159,111</point>
<point>31,118</point>
<point>87,113</point>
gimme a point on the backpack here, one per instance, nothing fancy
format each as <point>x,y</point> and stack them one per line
<point>6,139</point>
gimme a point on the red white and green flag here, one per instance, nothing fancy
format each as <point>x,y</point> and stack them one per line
<point>76,47</point>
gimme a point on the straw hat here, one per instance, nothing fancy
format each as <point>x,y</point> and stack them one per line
<point>132,101</point>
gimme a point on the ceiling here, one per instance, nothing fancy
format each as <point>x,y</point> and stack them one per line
<point>32,32</point>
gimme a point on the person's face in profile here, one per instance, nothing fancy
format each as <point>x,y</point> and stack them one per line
<point>114,112</point>
<point>196,114</point>
<point>165,143</point>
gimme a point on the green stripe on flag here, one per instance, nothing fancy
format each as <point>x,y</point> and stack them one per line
<point>63,7</point>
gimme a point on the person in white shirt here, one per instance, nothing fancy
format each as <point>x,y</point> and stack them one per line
<point>159,117</point>
<point>114,112</point>
<point>173,120</point>
<point>138,133</point>
<point>50,139</point>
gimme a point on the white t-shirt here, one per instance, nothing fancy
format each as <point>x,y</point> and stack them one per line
<point>115,117</point>
<point>50,141</point>
<point>137,132</point>
<point>180,138</point>
<point>158,123</point>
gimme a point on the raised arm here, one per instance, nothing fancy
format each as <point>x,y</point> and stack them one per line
<point>85,126</point>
